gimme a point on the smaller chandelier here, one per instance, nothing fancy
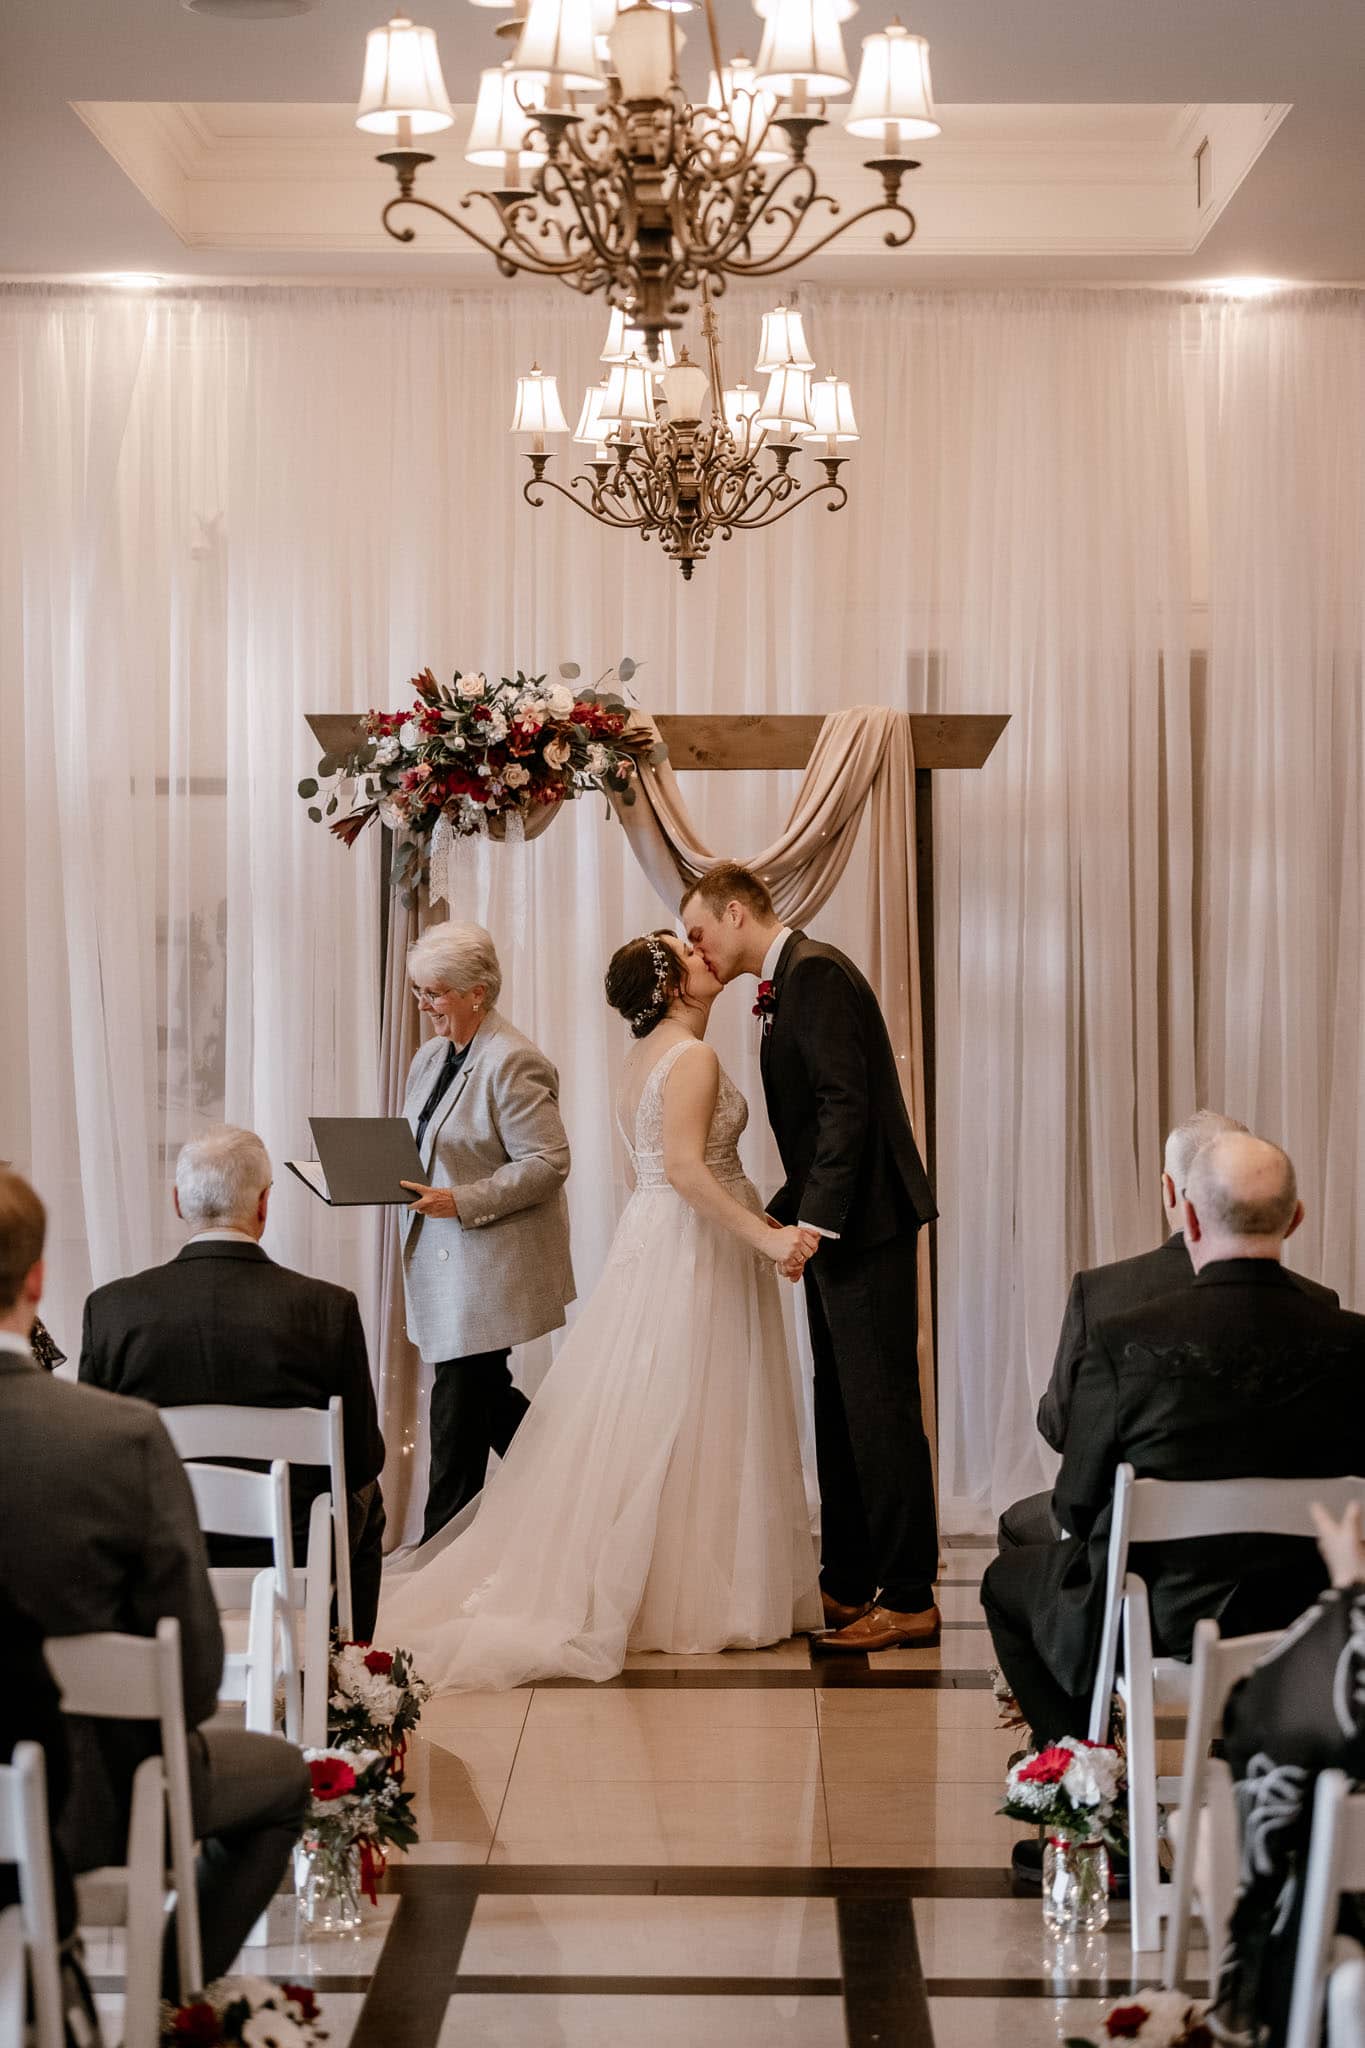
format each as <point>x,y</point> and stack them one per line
<point>615,181</point>
<point>677,457</point>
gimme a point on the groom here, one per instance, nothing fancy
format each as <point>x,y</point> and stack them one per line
<point>856,1184</point>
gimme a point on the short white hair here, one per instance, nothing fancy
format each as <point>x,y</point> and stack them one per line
<point>1190,1137</point>
<point>221,1175</point>
<point>456,956</point>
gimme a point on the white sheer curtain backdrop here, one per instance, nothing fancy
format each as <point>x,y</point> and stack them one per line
<point>220,510</point>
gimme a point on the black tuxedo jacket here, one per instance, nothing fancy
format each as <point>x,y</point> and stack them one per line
<point>223,1323</point>
<point>1239,1375</point>
<point>835,1104</point>
<point>1112,1291</point>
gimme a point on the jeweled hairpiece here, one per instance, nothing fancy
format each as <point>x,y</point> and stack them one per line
<point>658,953</point>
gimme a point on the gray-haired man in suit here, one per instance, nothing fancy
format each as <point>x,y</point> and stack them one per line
<point>98,1531</point>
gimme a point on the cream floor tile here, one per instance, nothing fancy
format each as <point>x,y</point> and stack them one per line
<point>948,1707</point>
<point>676,1712</point>
<point>559,1936</point>
<point>960,1603</point>
<point>938,1752</point>
<point>1012,2022</point>
<point>960,1649</point>
<point>580,2020</point>
<point>457,1798</point>
<point>653,1750</point>
<point>293,1955</point>
<point>464,1711</point>
<point>913,1825</point>
<point>1006,1938</point>
<point>793,1655</point>
<point>607,1821</point>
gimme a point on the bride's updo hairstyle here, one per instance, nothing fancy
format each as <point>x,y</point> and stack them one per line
<point>643,977</point>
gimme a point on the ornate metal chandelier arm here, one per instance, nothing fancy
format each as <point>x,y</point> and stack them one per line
<point>594,505</point>
<point>526,257</point>
<point>836,493</point>
<point>778,260</point>
<point>588,226</point>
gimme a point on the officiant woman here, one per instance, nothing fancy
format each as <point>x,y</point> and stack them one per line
<point>486,1242</point>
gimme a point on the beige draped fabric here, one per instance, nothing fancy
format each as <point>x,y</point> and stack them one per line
<point>863,760</point>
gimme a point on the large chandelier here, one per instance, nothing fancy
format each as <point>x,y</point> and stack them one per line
<point>662,468</point>
<point>614,181</point>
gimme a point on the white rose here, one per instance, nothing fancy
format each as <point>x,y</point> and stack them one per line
<point>515,776</point>
<point>597,759</point>
<point>270,2029</point>
<point>474,685</point>
<point>257,1991</point>
<point>557,753</point>
<point>560,701</point>
<point>409,735</point>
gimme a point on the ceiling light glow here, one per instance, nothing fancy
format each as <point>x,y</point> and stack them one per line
<point>1247,287</point>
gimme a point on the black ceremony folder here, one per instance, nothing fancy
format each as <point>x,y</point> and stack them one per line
<point>361,1160</point>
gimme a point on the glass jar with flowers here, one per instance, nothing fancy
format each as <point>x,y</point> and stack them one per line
<point>1073,1791</point>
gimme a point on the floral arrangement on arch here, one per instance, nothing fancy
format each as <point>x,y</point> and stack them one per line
<point>250,2010</point>
<point>481,756</point>
<point>1156,2019</point>
<point>375,1699</point>
<point>1073,1788</point>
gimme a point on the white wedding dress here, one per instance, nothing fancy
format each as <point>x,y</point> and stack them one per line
<point>653,1497</point>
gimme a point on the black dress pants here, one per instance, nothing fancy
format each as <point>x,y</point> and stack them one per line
<point>879,1531</point>
<point>475,1409</point>
<point>1019,1593</point>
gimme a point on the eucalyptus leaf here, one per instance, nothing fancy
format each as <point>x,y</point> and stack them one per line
<point>626,668</point>
<point>331,807</point>
<point>308,787</point>
<point>569,670</point>
<point>315,814</point>
<point>328,765</point>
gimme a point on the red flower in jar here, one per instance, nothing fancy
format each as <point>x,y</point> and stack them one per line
<point>1049,1767</point>
<point>304,1997</point>
<point>197,2025</point>
<point>380,1662</point>
<point>331,1777</point>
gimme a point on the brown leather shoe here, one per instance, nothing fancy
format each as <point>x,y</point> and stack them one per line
<point>882,1629</point>
<point>838,1615</point>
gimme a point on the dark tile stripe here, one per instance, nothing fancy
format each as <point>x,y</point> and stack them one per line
<point>825,1672</point>
<point>653,1987</point>
<point>1117,1986</point>
<point>886,2004</point>
<point>416,1973</point>
<point>443,1881</point>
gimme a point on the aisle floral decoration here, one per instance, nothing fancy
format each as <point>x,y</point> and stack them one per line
<point>249,2010</point>
<point>375,1700</point>
<point>357,1813</point>
<point>472,755</point>
<point>1074,1792</point>
<point>1156,2019</point>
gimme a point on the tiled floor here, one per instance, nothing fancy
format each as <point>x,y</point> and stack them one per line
<point>725,1850</point>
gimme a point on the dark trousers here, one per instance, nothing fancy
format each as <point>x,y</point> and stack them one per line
<point>366,1517</point>
<point>1018,1593</point>
<point>1029,1520</point>
<point>249,1794</point>
<point>879,1532</point>
<point>474,1409</point>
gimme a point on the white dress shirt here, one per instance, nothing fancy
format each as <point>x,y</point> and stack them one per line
<point>768,973</point>
<point>224,1234</point>
<point>10,1340</point>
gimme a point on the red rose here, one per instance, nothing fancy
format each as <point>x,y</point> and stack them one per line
<point>1126,2022</point>
<point>331,1777</point>
<point>1049,1767</point>
<point>304,1997</point>
<point>380,1661</point>
<point>197,2024</point>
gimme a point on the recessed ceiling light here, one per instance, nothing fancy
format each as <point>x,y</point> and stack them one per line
<point>249,10</point>
<point>131,280</point>
<point>1247,287</point>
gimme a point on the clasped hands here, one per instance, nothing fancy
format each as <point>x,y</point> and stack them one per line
<point>802,1245</point>
<point>430,1201</point>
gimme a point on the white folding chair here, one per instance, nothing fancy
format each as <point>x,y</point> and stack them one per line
<point>29,1945</point>
<point>137,1678</point>
<point>301,1436</point>
<point>231,1502</point>
<point>1336,1864</point>
<point>1207,1852</point>
<point>1152,1688</point>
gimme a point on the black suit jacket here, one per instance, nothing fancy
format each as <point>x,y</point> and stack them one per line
<point>834,1101</point>
<point>223,1323</point>
<point>1240,1375</point>
<point>1113,1290</point>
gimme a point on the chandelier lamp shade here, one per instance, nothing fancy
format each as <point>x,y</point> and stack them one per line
<point>616,182</point>
<point>677,457</point>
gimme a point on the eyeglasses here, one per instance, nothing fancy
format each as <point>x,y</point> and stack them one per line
<point>429,996</point>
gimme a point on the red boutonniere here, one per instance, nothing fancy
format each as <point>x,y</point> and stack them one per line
<point>765,1004</point>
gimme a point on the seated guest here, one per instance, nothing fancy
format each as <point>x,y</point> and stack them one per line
<point>1240,1374</point>
<point>1111,1290</point>
<point>98,1531</point>
<point>223,1323</point>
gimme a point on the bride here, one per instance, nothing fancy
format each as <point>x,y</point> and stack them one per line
<point>652,1498</point>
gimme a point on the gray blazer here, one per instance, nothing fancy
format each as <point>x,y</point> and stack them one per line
<point>500,1274</point>
<point>98,1531</point>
